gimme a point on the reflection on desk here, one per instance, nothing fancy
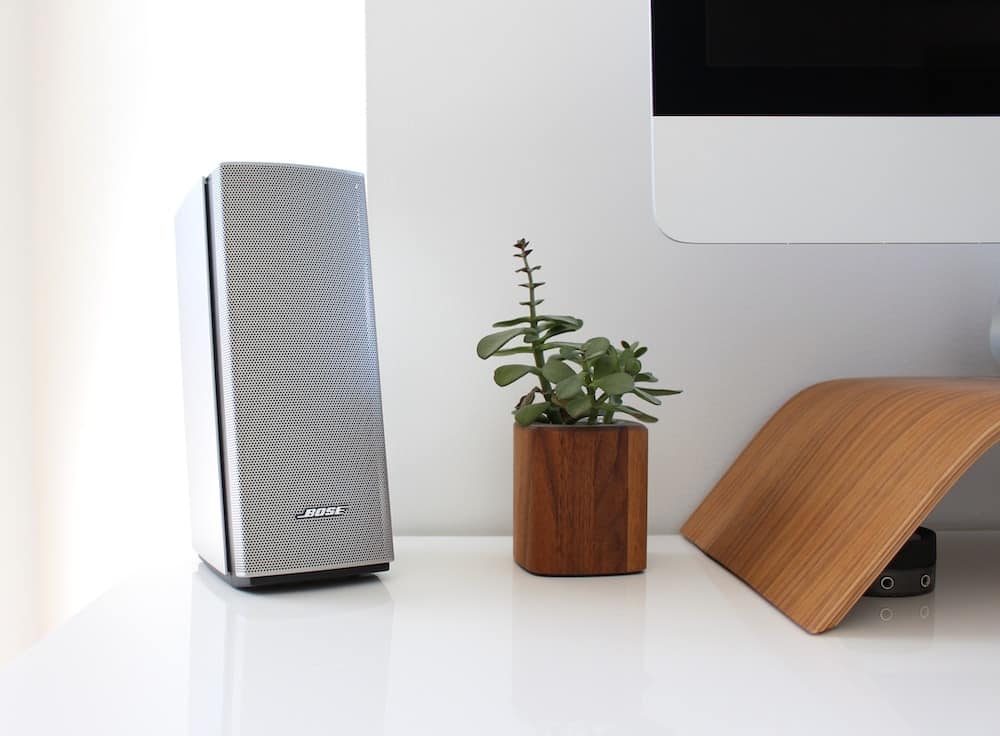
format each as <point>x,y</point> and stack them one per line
<point>312,650</point>
<point>456,639</point>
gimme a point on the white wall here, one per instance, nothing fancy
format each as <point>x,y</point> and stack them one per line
<point>133,102</point>
<point>18,550</point>
<point>487,122</point>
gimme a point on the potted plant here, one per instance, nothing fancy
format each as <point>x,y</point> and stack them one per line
<point>579,471</point>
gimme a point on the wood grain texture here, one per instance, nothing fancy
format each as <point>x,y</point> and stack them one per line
<point>833,485</point>
<point>580,498</point>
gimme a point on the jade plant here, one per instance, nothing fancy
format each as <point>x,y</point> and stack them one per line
<point>576,381</point>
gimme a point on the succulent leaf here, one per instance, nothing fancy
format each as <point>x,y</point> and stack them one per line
<point>645,396</point>
<point>512,322</point>
<point>641,415</point>
<point>564,319</point>
<point>557,330</point>
<point>528,414</point>
<point>491,343</point>
<point>528,398</point>
<point>605,366</point>
<point>507,374</point>
<point>561,344</point>
<point>547,318</point>
<point>519,350</point>
<point>595,346</point>
<point>661,391</point>
<point>615,383</point>
<point>569,387</point>
<point>579,406</point>
<point>555,370</point>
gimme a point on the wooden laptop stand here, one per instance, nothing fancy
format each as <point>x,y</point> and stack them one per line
<point>829,490</point>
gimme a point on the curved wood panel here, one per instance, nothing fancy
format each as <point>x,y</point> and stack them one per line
<point>829,490</point>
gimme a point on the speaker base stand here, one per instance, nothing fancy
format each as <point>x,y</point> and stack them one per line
<point>297,578</point>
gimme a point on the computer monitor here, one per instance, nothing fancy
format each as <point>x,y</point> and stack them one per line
<point>828,121</point>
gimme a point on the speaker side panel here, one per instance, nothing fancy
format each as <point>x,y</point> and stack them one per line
<point>198,364</point>
<point>302,410</point>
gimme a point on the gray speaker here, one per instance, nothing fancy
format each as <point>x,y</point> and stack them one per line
<point>283,411</point>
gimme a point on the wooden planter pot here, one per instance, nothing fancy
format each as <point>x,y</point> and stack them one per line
<point>580,498</point>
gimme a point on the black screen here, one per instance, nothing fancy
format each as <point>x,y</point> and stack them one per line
<point>824,57</point>
<point>852,33</point>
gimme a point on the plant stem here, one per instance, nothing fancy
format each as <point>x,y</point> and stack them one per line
<point>536,348</point>
<point>592,392</point>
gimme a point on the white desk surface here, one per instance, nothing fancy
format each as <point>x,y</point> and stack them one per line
<point>456,639</point>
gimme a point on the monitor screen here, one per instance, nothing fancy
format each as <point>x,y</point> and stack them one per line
<point>927,34</point>
<point>849,57</point>
<point>826,121</point>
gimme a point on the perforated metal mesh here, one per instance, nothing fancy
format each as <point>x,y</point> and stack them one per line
<point>299,368</point>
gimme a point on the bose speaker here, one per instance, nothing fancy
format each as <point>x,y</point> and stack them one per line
<point>283,410</point>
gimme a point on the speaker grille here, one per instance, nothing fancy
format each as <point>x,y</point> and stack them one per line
<point>299,373</point>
